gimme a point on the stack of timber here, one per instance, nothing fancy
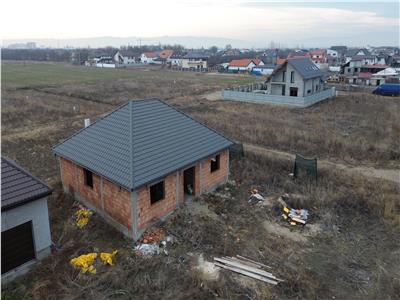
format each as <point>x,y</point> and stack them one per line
<point>247,267</point>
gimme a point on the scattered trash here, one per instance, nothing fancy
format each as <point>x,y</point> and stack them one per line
<point>85,262</point>
<point>295,216</point>
<point>82,216</point>
<point>107,257</point>
<point>153,242</point>
<point>147,249</point>
<point>247,267</point>
<point>255,197</point>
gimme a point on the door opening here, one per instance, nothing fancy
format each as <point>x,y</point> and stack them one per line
<point>188,181</point>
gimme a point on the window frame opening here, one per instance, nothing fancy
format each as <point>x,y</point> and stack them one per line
<point>157,192</point>
<point>88,178</point>
<point>215,163</point>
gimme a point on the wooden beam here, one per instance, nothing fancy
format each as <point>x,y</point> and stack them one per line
<point>249,274</point>
<point>247,268</point>
<point>255,262</point>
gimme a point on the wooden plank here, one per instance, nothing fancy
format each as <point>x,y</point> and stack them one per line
<point>255,262</point>
<point>298,220</point>
<point>248,263</point>
<point>249,274</point>
<point>247,268</point>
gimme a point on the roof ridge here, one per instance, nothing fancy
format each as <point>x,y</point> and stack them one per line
<point>84,128</point>
<point>131,142</point>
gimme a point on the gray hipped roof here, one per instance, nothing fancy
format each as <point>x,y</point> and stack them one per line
<point>18,186</point>
<point>140,142</point>
<point>306,68</point>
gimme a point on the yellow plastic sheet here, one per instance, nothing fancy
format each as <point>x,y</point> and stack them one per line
<point>85,262</point>
<point>82,217</point>
<point>107,257</point>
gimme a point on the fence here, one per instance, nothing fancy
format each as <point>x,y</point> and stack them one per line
<point>256,97</point>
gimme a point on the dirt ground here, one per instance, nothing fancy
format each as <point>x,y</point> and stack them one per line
<point>349,250</point>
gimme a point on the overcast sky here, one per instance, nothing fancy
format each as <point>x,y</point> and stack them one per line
<point>257,22</point>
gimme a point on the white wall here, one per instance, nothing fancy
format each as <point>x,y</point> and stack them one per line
<point>99,65</point>
<point>35,211</point>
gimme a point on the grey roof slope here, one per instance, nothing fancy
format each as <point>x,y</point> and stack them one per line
<point>305,67</point>
<point>140,142</point>
<point>18,186</point>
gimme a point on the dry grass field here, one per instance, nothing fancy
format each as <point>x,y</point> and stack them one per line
<point>349,250</point>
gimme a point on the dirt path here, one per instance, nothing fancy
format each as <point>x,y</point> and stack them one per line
<point>214,96</point>
<point>387,174</point>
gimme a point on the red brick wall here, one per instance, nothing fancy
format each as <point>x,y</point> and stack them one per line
<point>116,201</point>
<point>210,179</point>
<point>148,212</point>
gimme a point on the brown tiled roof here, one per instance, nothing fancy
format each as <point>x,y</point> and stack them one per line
<point>166,53</point>
<point>244,62</point>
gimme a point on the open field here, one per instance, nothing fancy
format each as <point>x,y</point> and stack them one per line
<point>349,251</point>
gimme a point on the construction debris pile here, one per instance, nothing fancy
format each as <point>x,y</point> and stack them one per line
<point>247,267</point>
<point>86,261</point>
<point>295,216</point>
<point>255,197</point>
<point>152,242</point>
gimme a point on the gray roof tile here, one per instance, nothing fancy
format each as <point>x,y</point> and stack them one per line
<point>140,142</point>
<point>306,68</point>
<point>18,186</point>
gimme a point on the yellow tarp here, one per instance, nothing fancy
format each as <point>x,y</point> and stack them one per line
<point>107,257</point>
<point>85,262</point>
<point>82,217</point>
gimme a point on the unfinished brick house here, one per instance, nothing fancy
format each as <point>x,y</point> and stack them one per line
<point>137,164</point>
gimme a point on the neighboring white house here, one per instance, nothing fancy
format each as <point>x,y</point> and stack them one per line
<point>264,69</point>
<point>195,60</point>
<point>175,60</point>
<point>244,64</point>
<point>298,77</point>
<point>148,57</point>
<point>25,229</point>
<point>332,53</point>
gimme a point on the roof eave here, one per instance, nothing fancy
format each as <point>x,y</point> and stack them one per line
<point>27,200</point>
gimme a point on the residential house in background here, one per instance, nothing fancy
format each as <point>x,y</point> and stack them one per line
<point>164,55</point>
<point>175,60</point>
<point>140,162</point>
<point>263,69</point>
<point>127,56</point>
<point>318,56</point>
<point>195,60</point>
<point>354,53</point>
<point>244,64</point>
<point>296,78</point>
<point>148,57</point>
<point>25,229</point>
